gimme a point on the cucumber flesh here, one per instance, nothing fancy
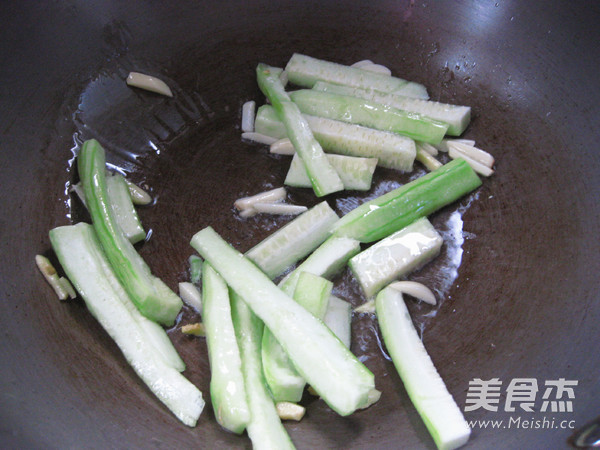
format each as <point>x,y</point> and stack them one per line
<point>227,388</point>
<point>396,256</point>
<point>392,151</point>
<point>125,212</point>
<point>338,318</point>
<point>320,357</point>
<point>369,114</point>
<point>324,178</point>
<point>153,298</point>
<point>424,386</point>
<point>294,241</point>
<point>81,256</point>
<point>264,428</point>
<point>393,211</point>
<point>355,173</point>
<point>457,117</point>
<point>312,292</point>
<point>305,71</point>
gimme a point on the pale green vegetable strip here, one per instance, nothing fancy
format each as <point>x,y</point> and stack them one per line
<point>355,173</point>
<point>396,256</point>
<point>324,178</point>
<point>312,292</point>
<point>195,263</point>
<point>84,262</point>
<point>305,71</point>
<point>264,428</point>
<point>153,297</point>
<point>293,241</point>
<point>457,117</point>
<point>227,389</point>
<point>424,386</point>
<point>392,150</point>
<point>126,215</point>
<point>393,211</point>
<point>369,114</point>
<point>320,357</point>
<point>338,318</point>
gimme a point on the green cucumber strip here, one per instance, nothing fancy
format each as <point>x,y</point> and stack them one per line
<point>393,211</point>
<point>424,386</point>
<point>457,117</point>
<point>396,256</point>
<point>323,177</point>
<point>312,292</point>
<point>83,260</point>
<point>369,114</point>
<point>264,427</point>
<point>153,297</point>
<point>338,318</point>
<point>305,71</point>
<point>320,357</point>
<point>293,241</point>
<point>355,173</point>
<point>195,263</point>
<point>125,213</point>
<point>392,151</point>
<point>326,261</point>
<point>227,389</point>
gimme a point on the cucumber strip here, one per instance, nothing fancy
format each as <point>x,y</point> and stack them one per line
<point>396,256</point>
<point>312,292</point>
<point>294,241</point>
<point>355,173</point>
<point>153,297</point>
<point>79,252</point>
<point>323,177</point>
<point>457,117</point>
<point>125,213</point>
<point>195,263</point>
<point>393,211</point>
<point>320,357</point>
<point>391,150</point>
<point>191,295</point>
<point>338,318</point>
<point>326,261</point>
<point>306,71</point>
<point>264,427</point>
<point>369,114</point>
<point>227,389</point>
<point>424,386</point>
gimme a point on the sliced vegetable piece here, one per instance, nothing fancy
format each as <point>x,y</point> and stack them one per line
<point>248,113</point>
<point>323,177</point>
<point>290,411</point>
<point>264,427</point>
<point>227,388</point>
<point>393,211</point>
<point>153,297</point>
<point>369,114</point>
<point>417,290</point>
<point>391,150</point>
<point>191,295</point>
<point>425,387</point>
<point>195,263</point>
<point>395,256</point>
<point>51,276</point>
<point>194,329</point>
<point>427,159</point>
<point>85,263</point>
<point>149,83</point>
<point>306,71</point>
<point>356,173</point>
<point>258,137</point>
<point>138,195</point>
<point>472,152</point>
<point>326,261</point>
<point>270,196</point>
<point>457,117</point>
<point>294,241</point>
<point>338,318</point>
<point>283,147</point>
<point>122,205</point>
<point>280,209</point>
<point>320,357</point>
<point>286,384</point>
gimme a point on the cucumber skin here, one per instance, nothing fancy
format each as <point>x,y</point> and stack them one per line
<point>369,114</point>
<point>393,211</point>
<point>152,297</point>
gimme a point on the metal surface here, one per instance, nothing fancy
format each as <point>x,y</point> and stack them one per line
<point>524,305</point>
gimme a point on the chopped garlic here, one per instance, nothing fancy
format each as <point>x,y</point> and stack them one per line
<point>195,329</point>
<point>290,411</point>
<point>148,83</point>
<point>417,290</point>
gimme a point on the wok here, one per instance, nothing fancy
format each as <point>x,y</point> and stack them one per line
<point>524,304</point>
